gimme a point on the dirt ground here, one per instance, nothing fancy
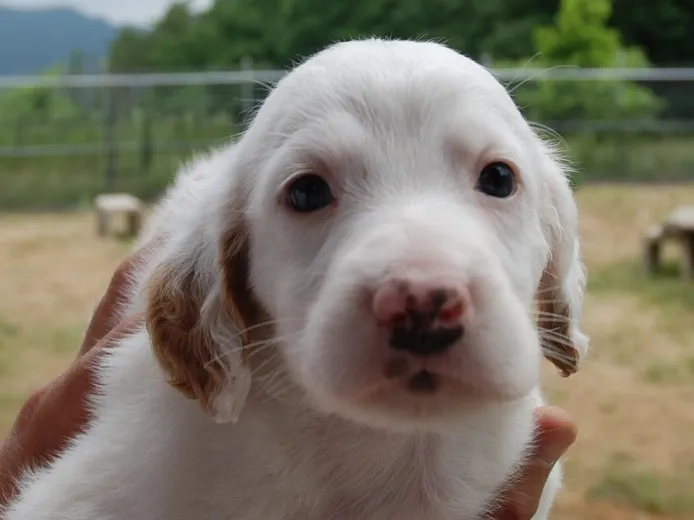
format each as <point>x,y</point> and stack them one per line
<point>633,398</point>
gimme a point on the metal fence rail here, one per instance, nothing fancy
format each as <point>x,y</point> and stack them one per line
<point>65,138</point>
<point>270,76</point>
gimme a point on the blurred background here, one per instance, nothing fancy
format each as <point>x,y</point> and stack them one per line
<point>100,96</point>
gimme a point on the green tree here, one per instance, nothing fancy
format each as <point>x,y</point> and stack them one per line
<point>581,37</point>
<point>663,29</point>
<point>38,103</point>
<point>276,32</point>
<point>129,52</point>
<point>538,33</point>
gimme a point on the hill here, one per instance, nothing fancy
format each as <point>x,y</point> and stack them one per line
<point>33,40</point>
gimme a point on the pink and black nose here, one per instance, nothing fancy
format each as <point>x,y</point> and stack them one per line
<point>424,317</point>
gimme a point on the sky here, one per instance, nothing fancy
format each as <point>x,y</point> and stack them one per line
<point>131,12</point>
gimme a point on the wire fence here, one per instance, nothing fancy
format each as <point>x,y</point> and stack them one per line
<point>64,139</point>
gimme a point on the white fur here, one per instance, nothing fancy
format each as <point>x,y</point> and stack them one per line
<point>404,129</point>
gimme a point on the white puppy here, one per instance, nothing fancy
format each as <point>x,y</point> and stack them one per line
<point>350,288</point>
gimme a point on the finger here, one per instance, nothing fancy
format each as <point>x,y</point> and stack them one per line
<point>556,432</point>
<point>124,327</point>
<point>102,319</point>
<point>60,412</point>
<point>65,409</point>
<point>52,416</point>
<point>63,402</point>
<point>105,314</point>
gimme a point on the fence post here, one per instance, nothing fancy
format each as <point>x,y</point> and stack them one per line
<point>19,132</point>
<point>109,141</point>
<point>146,148</point>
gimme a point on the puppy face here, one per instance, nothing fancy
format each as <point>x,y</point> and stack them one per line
<point>400,225</point>
<point>396,218</point>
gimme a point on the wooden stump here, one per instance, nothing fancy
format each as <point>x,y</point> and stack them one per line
<point>678,226</point>
<point>110,204</point>
<point>651,257</point>
<point>688,256</point>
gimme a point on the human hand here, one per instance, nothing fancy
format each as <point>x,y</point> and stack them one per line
<point>556,433</point>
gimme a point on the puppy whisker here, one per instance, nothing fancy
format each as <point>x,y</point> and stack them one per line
<point>268,323</point>
<point>555,337</point>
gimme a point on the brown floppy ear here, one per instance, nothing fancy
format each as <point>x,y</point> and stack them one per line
<point>560,292</point>
<point>562,343</point>
<point>199,309</point>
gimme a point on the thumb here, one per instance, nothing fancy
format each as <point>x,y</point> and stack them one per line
<point>555,433</point>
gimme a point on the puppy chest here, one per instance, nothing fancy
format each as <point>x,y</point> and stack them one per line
<point>408,491</point>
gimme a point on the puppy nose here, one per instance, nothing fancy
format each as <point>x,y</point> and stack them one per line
<point>423,317</point>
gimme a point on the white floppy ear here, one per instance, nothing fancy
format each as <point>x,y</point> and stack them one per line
<point>199,309</point>
<point>560,293</point>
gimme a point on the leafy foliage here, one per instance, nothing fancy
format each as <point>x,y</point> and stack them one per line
<point>580,37</point>
<point>39,103</point>
<point>275,32</point>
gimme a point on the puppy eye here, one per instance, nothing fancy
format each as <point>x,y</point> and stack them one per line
<point>497,180</point>
<point>309,193</point>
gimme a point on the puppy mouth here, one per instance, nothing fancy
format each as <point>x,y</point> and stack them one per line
<point>426,386</point>
<point>419,380</point>
<point>423,382</point>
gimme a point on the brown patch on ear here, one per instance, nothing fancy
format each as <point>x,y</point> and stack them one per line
<point>234,258</point>
<point>187,347</point>
<point>182,346</point>
<point>554,324</point>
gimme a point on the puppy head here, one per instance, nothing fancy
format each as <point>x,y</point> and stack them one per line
<point>400,220</point>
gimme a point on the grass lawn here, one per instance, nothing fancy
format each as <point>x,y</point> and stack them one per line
<point>633,398</point>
